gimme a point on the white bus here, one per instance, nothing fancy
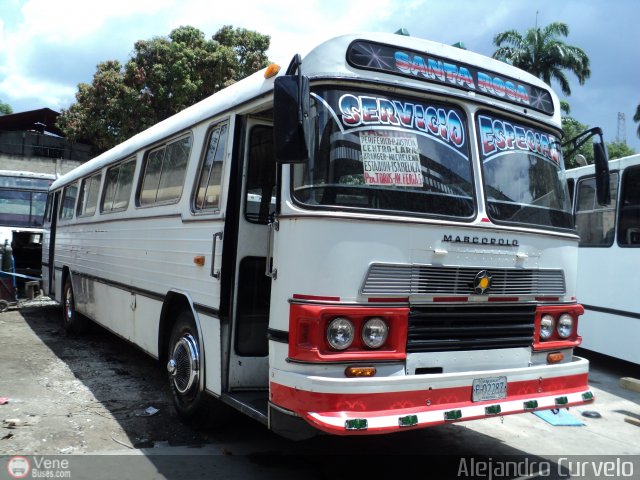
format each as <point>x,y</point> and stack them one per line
<point>608,280</point>
<point>378,239</point>
<point>23,196</point>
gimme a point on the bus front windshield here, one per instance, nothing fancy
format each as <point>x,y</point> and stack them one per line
<point>386,153</point>
<point>523,177</point>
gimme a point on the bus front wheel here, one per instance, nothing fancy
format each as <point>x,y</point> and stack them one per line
<point>72,321</point>
<point>185,368</point>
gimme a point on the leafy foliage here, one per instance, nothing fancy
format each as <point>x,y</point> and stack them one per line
<point>163,76</point>
<point>541,53</point>
<point>636,118</point>
<point>571,128</point>
<point>619,150</point>
<point>5,108</point>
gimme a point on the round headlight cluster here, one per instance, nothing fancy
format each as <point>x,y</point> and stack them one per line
<point>563,327</point>
<point>374,332</point>
<point>341,333</point>
<point>547,325</point>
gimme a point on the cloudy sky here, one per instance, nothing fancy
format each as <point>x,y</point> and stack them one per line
<point>47,47</point>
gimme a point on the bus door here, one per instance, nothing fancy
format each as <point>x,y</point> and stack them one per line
<point>53,212</point>
<point>249,353</point>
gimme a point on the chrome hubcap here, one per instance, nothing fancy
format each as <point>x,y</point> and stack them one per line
<point>67,304</point>
<point>184,364</point>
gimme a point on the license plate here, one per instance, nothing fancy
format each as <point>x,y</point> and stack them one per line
<point>492,388</point>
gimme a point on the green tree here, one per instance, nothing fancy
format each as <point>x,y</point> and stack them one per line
<point>540,52</point>
<point>5,108</point>
<point>163,76</point>
<point>636,118</point>
<point>571,128</point>
<point>619,150</point>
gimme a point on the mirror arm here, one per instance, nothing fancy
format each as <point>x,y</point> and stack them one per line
<point>577,143</point>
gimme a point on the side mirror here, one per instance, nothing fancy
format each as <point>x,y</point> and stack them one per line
<point>601,163</point>
<point>291,118</point>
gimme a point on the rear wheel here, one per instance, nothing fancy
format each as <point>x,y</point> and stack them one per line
<point>184,368</point>
<point>72,321</point>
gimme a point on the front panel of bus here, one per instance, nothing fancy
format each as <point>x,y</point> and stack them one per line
<point>425,260</point>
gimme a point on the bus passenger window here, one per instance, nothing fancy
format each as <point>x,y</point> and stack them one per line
<point>260,202</point>
<point>164,172</point>
<point>88,200</point>
<point>629,220</point>
<point>595,223</point>
<point>210,176</point>
<point>117,187</point>
<point>68,201</point>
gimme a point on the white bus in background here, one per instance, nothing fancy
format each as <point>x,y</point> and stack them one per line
<point>609,259</point>
<point>378,239</point>
<point>23,196</point>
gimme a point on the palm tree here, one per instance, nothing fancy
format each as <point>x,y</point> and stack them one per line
<point>636,118</point>
<point>541,53</point>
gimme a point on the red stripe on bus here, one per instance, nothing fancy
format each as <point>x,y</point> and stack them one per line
<point>298,296</point>
<point>503,299</point>
<point>389,300</point>
<point>450,299</point>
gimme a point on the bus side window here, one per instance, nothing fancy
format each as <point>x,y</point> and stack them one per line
<point>48,207</point>
<point>88,199</point>
<point>595,223</point>
<point>117,188</point>
<point>629,219</point>
<point>164,172</point>
<point>68,201</point>
<point>210,177</point>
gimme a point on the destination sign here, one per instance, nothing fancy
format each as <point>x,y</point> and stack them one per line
<point>434,69</point>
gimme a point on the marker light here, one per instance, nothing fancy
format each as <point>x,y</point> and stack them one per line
<point>546,327</point>
<point>374,332</point>
<point>340,333</point>
<point>352,372</point>
<point>565,325</point>
<point>271,70</point>
<point>555,357</point>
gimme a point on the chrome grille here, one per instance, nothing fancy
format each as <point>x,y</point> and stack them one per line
<point>384,279</point>
<point>470,327</point>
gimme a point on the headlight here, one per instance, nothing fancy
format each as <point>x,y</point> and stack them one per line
<point>340,333</point>
<point>565,325</point>
<point>374,332</point>
<point>546,326</point>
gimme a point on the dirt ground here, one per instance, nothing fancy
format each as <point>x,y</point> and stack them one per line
<point>79,395</point>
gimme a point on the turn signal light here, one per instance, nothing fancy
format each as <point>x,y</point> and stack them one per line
<point>556,357</point>
<point>352,372</point>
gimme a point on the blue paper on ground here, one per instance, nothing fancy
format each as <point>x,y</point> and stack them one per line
<point>560,419</point>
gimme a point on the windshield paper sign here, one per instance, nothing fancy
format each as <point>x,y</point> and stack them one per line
<point>499,136</point>
<point>390,158</point>
<point>431,68</point>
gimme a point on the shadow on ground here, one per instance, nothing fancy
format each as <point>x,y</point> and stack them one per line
<point>125,381</point>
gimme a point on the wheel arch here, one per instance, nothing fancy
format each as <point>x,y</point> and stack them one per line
<point>174,302</point>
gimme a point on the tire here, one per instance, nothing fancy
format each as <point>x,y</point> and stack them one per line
<point>184,370</point>
<point>72,322</point>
